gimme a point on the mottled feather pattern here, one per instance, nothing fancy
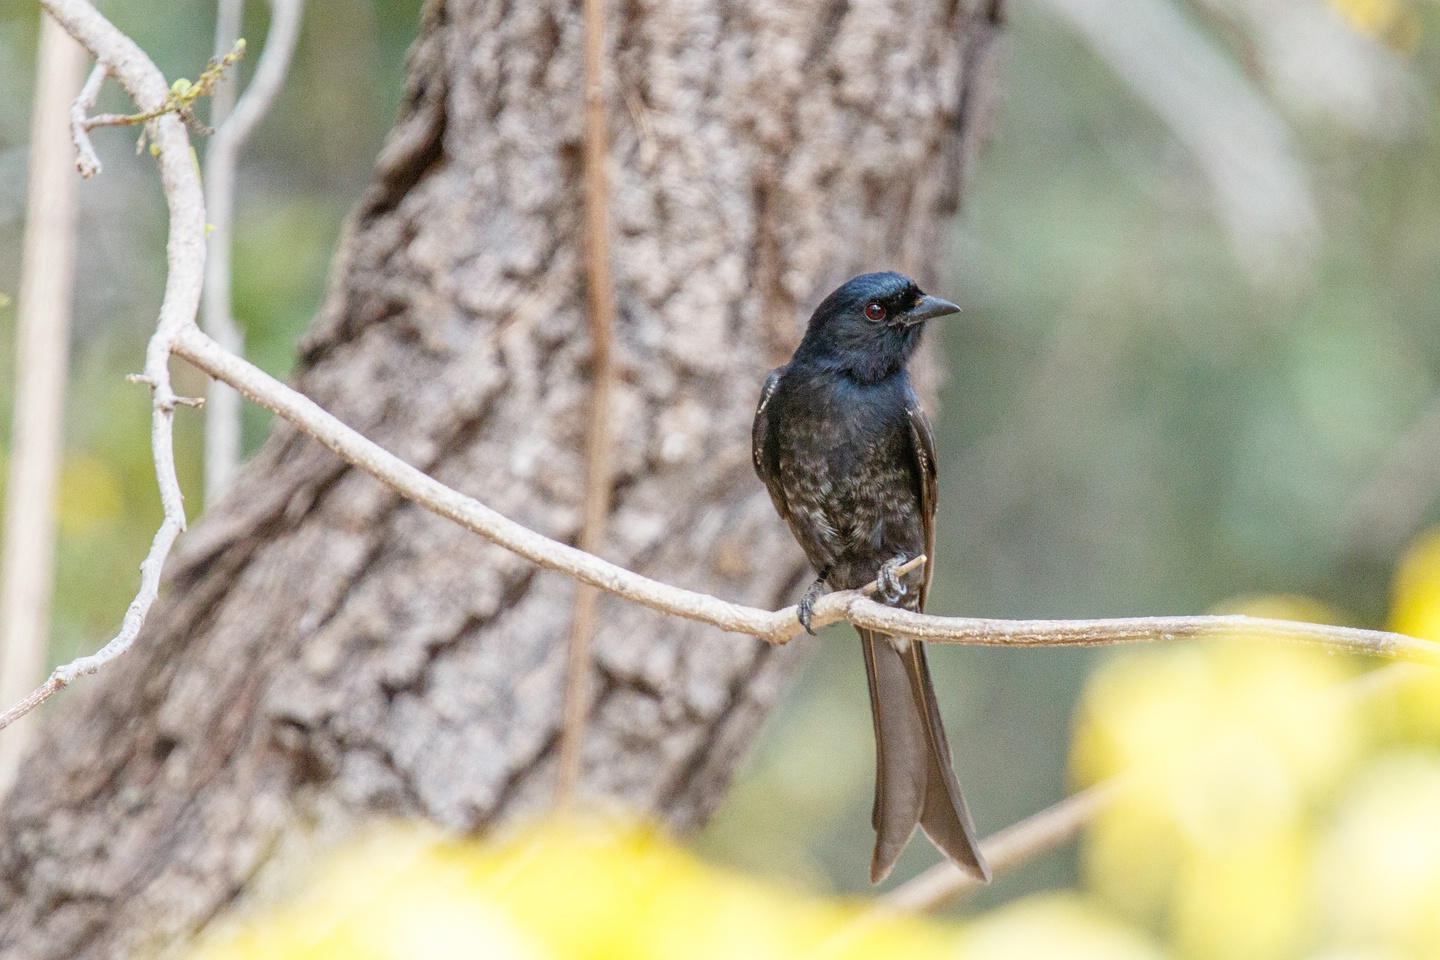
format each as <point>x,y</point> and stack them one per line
<point>848,457</point>
<point>846,473</point>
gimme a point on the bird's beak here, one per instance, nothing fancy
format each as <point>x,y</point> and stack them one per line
<point>928,309</point>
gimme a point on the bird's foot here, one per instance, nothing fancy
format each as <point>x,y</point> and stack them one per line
<point>806,610</point>
<point>891,589</point>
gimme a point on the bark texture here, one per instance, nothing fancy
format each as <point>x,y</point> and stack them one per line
<point>329,653</point>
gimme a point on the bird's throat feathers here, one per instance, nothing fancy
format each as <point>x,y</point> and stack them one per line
<point>866,355</point>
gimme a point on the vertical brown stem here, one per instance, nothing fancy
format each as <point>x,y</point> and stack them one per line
<point>600,297</point>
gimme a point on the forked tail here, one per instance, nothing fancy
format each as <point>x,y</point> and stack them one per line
<point>914,780</point>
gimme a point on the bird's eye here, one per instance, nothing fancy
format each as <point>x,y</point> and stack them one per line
<point>874,311</point>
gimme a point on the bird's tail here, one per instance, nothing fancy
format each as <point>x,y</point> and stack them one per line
<point>914,781</point>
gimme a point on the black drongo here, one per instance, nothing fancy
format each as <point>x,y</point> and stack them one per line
<point>849,459</point>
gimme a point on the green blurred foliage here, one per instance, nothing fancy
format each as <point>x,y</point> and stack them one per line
<point>1132,423</point>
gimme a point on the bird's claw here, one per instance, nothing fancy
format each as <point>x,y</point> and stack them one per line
<point>806,610</point>
<point>888,580</point>
<point>806,613</point>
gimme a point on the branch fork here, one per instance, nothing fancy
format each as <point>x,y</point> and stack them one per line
<point>180,100</point>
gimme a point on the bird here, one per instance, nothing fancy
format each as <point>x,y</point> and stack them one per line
<point>848,456</point>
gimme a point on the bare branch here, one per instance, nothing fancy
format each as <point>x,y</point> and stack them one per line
<point>269,78</point>
<point>772,626</point>
<point>222,418</point>
<point>121,58</point>
<point>100,120</point>
<point>86,161</point>
<point>229,17</point>
<point>600,293</point>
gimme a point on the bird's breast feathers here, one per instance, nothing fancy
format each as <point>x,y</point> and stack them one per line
<point>842,479</point>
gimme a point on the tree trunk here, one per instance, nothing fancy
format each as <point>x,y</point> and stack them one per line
<point>327,652</point>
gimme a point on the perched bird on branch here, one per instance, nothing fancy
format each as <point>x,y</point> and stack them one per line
<point>849,459</point>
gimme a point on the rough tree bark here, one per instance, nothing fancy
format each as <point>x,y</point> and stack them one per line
<point>328,652</point>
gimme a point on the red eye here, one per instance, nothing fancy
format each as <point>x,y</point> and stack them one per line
<point>874,311</point>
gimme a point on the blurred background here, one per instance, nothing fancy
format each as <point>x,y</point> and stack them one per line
<point>1197,364</point>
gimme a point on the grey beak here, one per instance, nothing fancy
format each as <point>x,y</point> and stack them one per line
<point>928,309</point>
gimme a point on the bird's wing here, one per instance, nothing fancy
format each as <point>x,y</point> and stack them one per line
<point>922,445</point>
<point>766,465</point>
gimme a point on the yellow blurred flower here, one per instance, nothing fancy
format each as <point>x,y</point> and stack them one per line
<point>402,893</point>
<point>1410,710</point>
<point>1378,864</point>
<point>1392,22</point>
<point>557,891</point>
<point>1231,733</point>
<point>1227,749</point>
<point>1248,901</point>
<point>1054,926</point>
<point>1415,596</point>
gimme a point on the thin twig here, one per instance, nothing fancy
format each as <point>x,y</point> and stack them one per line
<point>600,297</point>
<point>1005,850</point>
<point>86,160</point>
<point>124,60</point>
<point>100,120</point>
<point>223,415</point>
<point>179,100</point>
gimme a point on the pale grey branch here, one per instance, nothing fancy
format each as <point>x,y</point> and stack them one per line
<point>121,58</point>
<point>222,416</point>
<point>86,160</point>
<point>772,626</point>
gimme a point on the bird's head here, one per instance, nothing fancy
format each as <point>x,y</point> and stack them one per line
<point>870,325</point>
